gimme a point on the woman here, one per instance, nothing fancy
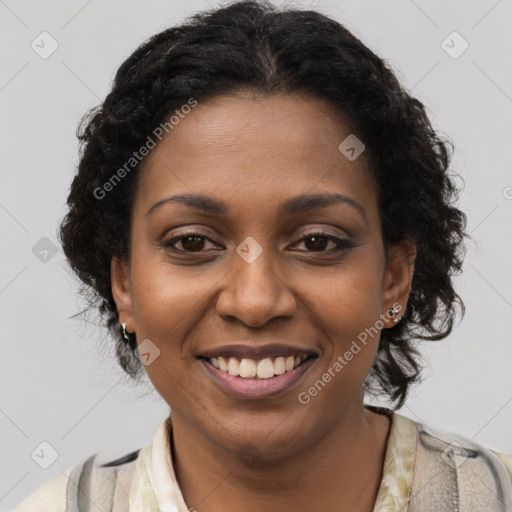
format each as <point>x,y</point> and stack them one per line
<point>266,218</point>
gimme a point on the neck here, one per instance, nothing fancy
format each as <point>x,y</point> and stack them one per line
<point>340,470</point>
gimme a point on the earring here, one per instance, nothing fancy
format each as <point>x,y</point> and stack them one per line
<point>126,335</point>
<point>394,311</point>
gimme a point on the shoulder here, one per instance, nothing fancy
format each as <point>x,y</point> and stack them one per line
<point>457,449</point>
<point>506,459</point>
<point>449,466</point>
<point>49,497</point>
<point>98,479</point>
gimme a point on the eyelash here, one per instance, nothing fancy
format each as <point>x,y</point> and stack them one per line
<point>341,244</point>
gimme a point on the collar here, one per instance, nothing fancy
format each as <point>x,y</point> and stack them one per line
<point>154,485</point>
<point>395,486</point>
<point>155,488</point>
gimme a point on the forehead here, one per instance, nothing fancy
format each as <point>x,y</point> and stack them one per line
<point>252,148</point>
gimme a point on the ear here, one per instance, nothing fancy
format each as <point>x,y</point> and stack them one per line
<point>120,280</point>
<point>397,281</point>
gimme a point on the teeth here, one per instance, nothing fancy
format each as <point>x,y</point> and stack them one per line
<point>279,366</point>
<point>223,364</point>
<point>265,369</point>
<point>247,368</point>
<point>233,366</point>
<point>262,369</point>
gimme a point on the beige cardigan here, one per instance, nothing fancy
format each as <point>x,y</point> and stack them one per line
<point>423,470</point>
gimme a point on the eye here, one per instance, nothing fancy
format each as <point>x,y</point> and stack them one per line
<point>191,241</point>
<point>320,240</point>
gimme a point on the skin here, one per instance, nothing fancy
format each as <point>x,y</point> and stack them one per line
<point>253,153</point>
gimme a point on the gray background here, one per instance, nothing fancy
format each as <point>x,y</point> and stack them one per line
<point>59,382</point>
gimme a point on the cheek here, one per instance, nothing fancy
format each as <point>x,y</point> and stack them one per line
<point>353,333</point>
<point>164,299</point>
<point>161,307</point>
<point>347,309</point>
<point>348,299</point>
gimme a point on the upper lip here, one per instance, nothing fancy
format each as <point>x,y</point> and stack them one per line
<point>242,351</point>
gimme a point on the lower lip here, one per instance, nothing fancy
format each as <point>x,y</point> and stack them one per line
<point>254,388</point>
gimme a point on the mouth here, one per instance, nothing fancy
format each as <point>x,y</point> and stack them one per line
<point>266,368</point>
<point>247,378</point>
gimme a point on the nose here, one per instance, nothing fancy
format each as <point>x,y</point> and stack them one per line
<point>254,293</point>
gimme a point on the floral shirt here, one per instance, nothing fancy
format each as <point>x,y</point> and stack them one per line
<point>146,482</point>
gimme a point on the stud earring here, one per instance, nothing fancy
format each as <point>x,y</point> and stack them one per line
<point>394,311</point>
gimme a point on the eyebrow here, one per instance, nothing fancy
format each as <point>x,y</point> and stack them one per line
<point>295,205</point>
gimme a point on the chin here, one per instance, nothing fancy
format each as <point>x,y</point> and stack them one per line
<point>259,438</point>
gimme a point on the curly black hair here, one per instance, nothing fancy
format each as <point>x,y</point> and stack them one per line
<point>253,46</point>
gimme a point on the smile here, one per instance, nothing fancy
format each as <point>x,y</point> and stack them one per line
<point>256,379</point>
<point>261,369</point>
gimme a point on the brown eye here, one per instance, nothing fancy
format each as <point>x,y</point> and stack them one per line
<point>318,242</point>
<point>194,242</point>
<point>190,242</point>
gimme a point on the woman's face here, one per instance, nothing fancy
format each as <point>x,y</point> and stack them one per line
<point>268,265</point>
